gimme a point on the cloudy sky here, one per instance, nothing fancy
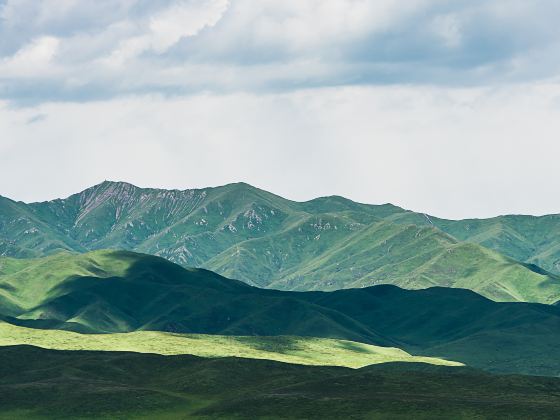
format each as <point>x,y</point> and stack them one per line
<point>448,107</point>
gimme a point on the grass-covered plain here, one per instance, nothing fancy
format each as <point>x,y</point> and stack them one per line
<point>47,384</point>
<point>299,350</point>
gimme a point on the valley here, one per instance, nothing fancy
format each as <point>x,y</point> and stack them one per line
<point>312,309</point>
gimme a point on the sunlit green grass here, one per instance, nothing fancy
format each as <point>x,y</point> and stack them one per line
<point>298,350</point>
<point>30,281</point>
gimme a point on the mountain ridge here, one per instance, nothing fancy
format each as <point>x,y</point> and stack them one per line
<point>263,239</point>
<point>318,198</point>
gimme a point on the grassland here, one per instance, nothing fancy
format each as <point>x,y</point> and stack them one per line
<point>298,350</point>
<point>47,384</point>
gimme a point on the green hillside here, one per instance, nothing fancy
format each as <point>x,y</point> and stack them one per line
<point>46,384</point>
<point>117,291</point>
<point>412,257</point>
<point>298,350</point>
<point>530,239</point>
<point>324,244</point>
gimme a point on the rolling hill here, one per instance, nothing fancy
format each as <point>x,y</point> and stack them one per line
<point>265,240</point>
<point>118,291</point>
<point>44,384</point>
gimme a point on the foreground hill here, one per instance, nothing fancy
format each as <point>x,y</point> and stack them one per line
<point>117,291</point>
<point>265,240</point>
<point>45,384</point>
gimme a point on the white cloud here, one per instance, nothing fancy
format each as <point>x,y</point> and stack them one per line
<point>305,25</point>
<point>445,106</point>
<point>450,152</point>
<point>32,59</point>
<point>169,26</point>
<point>120,47</point>
<point>448,27</point>
<point>183,20</point>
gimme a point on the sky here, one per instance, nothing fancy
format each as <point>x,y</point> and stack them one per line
<point>445,107</point>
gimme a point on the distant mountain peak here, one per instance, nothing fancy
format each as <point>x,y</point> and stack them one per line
<point>113,185</point>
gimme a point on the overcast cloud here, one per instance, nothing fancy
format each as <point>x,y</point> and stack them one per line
<point>449,107</point>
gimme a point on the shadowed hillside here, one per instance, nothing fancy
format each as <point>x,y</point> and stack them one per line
<point>39,384</point>
<point>116,291</point>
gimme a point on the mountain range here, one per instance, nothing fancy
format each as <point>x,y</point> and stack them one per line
<point>264,240</point>
<point>438,318</point>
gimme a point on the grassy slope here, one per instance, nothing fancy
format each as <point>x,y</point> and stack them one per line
<point>299,350</point>
<point>24,234</point>
<point>45,384</point>
<point>19,276</point>
<point>413,258</point>
<point>530,239</point>
<point>155,294</point>
<point>265,240</point>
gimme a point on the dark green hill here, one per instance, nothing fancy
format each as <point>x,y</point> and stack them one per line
<point>47,384</point>
<point>115,291</point>
<point>119,291</point>
<point>265,240</point>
